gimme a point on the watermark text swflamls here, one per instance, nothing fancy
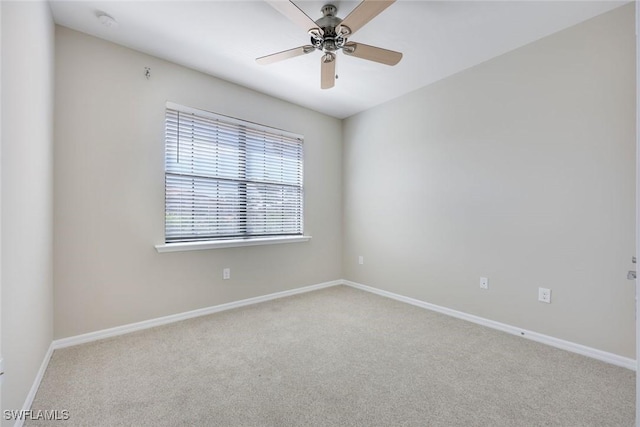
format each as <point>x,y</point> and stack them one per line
<point>42,415</point>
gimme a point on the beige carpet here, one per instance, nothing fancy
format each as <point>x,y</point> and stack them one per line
<point>335,357</point>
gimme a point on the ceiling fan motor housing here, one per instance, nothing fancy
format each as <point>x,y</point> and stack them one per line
<point>331,40</point>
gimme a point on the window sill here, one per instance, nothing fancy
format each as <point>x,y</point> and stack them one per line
<point>219,244</point>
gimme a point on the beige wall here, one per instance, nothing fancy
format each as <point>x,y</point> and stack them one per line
<point>520,169</point>
<point>109,192</point>
<point>27,206</point>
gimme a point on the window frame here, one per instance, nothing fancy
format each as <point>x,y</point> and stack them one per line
<point>242,239</point>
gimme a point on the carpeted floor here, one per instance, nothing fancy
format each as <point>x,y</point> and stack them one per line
<point>334,357</point>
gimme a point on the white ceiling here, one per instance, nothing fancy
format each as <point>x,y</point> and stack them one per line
<point>223,38</point>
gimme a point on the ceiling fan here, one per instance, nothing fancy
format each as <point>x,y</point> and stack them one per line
<point>329,35</point>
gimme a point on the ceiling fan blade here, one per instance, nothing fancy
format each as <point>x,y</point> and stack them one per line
<point>328,71</point>
<point>295,14</point>
<point>372,53</point>
<point>363,13</point>
<point>286,54</point>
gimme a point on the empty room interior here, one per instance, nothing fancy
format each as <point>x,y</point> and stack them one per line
<point>318,213</point>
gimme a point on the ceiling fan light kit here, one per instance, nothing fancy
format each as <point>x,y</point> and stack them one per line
<point>329,35</point>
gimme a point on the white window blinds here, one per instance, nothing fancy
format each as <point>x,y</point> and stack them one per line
<point>229,179</point>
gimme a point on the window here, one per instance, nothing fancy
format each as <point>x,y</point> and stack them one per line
<point>229,179</point>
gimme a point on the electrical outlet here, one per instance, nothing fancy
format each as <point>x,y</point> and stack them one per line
<point>484,283</point>
<point>226,273</point>
<point>544,295</point>
<point>360,260</point>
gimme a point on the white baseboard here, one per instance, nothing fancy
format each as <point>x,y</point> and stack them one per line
<point>146,324</point>
<point>36,385</point>
<point>603,356</point>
